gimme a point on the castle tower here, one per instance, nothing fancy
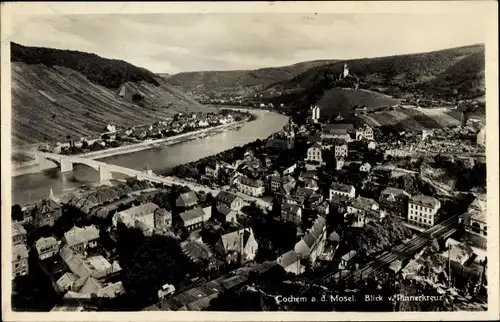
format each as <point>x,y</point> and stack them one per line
<point>345,72</point>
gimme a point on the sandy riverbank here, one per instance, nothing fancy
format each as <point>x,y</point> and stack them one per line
<point>46,164</point>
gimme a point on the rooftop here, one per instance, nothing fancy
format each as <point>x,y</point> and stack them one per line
<point>336,186</point>
<point>350,255</point>
<point>45,242</point>
<point>337,128</point>
<point>226,197</point>
<point>19,251</point>
<point>196,251</point>
<point>290,208</point>
<point>364,203</point>
<point>236,240</point>
<point>79,235</point>
<point>425,201</point>
<point>192,214</point>
<point>302,192</point>
<point>250,182</point>
<point>288,258</point>
<point>394,192</point>
<point>147,208</point>
<point>18,229</point>
<point>186,199</point>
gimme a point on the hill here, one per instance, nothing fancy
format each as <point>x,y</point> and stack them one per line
<point>445,74</point>
<point>56,93</point>
<point>236,83</point>
<point>343,101</point>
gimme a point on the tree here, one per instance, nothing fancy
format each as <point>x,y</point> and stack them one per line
<point>105,137</point>
<point>17,213</point>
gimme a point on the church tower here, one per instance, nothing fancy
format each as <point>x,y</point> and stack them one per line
<point>290,139</point>
<point>52,196</point>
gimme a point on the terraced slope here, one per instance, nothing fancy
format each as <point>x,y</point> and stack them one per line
<point>416,118</point>
<point>51,101</point>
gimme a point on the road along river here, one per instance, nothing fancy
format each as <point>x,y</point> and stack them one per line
<point>30,188</point>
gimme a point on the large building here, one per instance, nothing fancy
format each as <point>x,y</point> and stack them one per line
<point>255,188</point>
<point>47,247</point>
<point>364,133</point>
<point>315,153</point>
<point>423,211</point>
<point>81,239</point>
<point>229,199</point>
<point>481,137</point>
<point>313,242</point>
<point>337,131</point>
<point>364,211</point>
<point>394,201</point>
<point>19,234</point>
<point>194,218</point>
<point>143,213</point>
<point>340,150</point>
<point>340,189</point>
<point>291,212</point>
<point>238,246</point>
<point>19,260</point>
<point>290,261</point>
<point>474,221</point>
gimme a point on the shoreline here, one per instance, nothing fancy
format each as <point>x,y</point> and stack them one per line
<point>131,148</point>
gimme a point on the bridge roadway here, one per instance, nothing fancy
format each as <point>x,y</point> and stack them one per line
<point>107,168</point>
<point>403,251</point>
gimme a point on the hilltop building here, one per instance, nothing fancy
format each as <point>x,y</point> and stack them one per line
<point>345,71</point>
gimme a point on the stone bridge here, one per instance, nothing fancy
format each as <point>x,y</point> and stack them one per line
<point>66,163</point>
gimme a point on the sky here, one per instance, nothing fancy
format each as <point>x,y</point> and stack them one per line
<point>173,43</point>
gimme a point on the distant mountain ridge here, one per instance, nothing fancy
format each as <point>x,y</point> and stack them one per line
<point>110,73</point>
<point>56,93</point>
<point>441,74</point>
<point>209,84</point>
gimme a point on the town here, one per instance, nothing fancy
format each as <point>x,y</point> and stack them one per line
<point>317,209</point>
<point>166,130</point>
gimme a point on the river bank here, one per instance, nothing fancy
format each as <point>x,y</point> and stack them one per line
<point>31,187</point>
<point>131,148</point>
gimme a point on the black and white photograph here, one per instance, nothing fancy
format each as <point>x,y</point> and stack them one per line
<point>240,160</point>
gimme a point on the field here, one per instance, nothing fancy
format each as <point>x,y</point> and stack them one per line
<point>415,119</point>
<point>341,100</point>
<point>49,103</point>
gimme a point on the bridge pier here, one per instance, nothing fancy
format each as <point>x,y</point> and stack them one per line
<point>104,174</point>
<point>66,166</point>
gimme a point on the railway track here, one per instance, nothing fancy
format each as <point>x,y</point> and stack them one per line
<point>404,250</point>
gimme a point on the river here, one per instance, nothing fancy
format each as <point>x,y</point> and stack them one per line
<point>30,188</point>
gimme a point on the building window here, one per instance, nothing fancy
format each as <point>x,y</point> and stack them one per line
<point>476,228</point>
<point>484,231</point>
